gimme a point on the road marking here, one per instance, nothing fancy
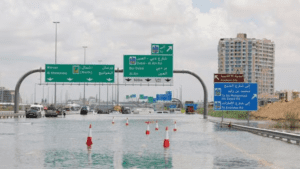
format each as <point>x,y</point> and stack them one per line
<point>260,160</point>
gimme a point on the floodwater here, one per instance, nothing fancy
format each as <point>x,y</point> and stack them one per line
<point>198,143</point>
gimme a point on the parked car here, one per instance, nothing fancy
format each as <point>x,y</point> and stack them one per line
<point>84,110</point>
<point>60,111</point>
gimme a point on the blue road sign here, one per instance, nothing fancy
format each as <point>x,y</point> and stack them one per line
<point>145,97</point>
<point>172,106</point>
<point>154,100</point>
<point>235,96</point>
<point>133,96</point>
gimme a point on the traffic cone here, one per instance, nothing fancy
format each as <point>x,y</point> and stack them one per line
<point>166,141</point>
<point>156,127</point>
<point>127,122</point>
<point>148,130</point>
<point>175,128</point>
<point>89,138</point>
<point>113,122</point>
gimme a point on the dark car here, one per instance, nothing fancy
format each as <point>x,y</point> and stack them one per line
<point>51,111</point>
<point>84,110</point>
<point>32,113</point>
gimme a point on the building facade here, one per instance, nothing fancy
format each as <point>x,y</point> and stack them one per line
<point>252,57</point>
<point>7,96</point>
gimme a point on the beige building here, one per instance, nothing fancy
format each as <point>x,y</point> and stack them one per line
<point>249,56</point>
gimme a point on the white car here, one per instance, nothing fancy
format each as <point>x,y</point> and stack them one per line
<point>39,111</point>
<point>114,112</point>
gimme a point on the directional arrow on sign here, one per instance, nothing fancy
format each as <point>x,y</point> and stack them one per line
<point>70,79</point>
<point>148,80</point>
<point>127,79</point>
<point>109,79</point>
<point>168,80</point>
<point>170,48</point>
<point>254,95</point>
<point>89,79</point>
<point>216,77</point>
<point>50,79</point>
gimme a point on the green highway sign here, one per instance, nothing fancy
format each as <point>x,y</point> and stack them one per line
<point>148,69</point>
<point>141,96</point>
<point>150,99</point>
<point>162,49</point>
<point>79,73</point>
<point>127,96</point>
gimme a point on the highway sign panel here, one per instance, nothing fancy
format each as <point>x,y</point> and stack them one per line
<point>79,73</point>
<point>133,96</point>
<point>150,99</point>
<point>228,78</point>
<point>162,49</point>
<point>141,96</point>
<point>235,96</point>
<point>127,96</point>
<point>148,69</point>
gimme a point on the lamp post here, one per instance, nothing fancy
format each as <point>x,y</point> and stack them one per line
<point>84,47</point>
<point>35,93</point>
<point>55,58</point>
<point>99,86</point>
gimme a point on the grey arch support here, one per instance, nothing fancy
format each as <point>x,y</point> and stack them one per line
<point>16,106</point>
<point>17,89</point>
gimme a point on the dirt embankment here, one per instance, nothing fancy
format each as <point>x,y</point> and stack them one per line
<point>277,111</point>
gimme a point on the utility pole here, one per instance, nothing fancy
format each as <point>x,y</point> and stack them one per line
<point>107,99</point>
<point>84,47</point>
<point>55,59</point>
<point>118,87</point>
<point>35,93</point>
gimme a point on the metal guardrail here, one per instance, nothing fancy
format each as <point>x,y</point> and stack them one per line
<point>288,136</point>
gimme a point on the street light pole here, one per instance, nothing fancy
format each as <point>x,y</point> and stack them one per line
<point>84,47</point>
<point>35,93</point>
<point>55,58</point>
<point>99,86</point>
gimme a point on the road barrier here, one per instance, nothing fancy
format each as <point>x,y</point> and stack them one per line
<point>274,134</point>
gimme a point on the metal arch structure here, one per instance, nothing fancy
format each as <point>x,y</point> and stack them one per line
<point>200,80</point>
<point>17,88</point>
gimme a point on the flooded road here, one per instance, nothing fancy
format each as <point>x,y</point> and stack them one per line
<point>198,143</point>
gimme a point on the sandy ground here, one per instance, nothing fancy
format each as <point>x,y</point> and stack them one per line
<point>277,111</point>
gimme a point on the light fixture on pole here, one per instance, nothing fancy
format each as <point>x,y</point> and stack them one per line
<point>55,58</point>
<point>84,47</point>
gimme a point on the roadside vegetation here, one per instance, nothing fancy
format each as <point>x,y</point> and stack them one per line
<point>291,121</point>
<point>227,114</point>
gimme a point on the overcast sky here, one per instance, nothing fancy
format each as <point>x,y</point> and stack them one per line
<point>113,28</point>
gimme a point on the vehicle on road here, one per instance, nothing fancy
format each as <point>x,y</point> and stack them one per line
<point>114,112</point>
<point>143,111</point>
<point>36,111</point>
<point>84,110</point>
<point>189,107</point>
<point>51,111</point>
<point>125,110</point>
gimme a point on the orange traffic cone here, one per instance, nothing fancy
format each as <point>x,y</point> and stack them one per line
<point>166,141</point>
<point>156,127</point>
<point>89,138</point>
<point>113,122</point>
<point>175,128</point>
<point>148,130</point>
<point>127,122</point>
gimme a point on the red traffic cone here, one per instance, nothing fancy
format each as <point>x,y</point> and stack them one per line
<point>175,128</point>
<point>113,121</point>
<point>89,138</point>
<point>127,122</point>
<point>148,130</point>
<point>166,141</point>
<point>156,127</point>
